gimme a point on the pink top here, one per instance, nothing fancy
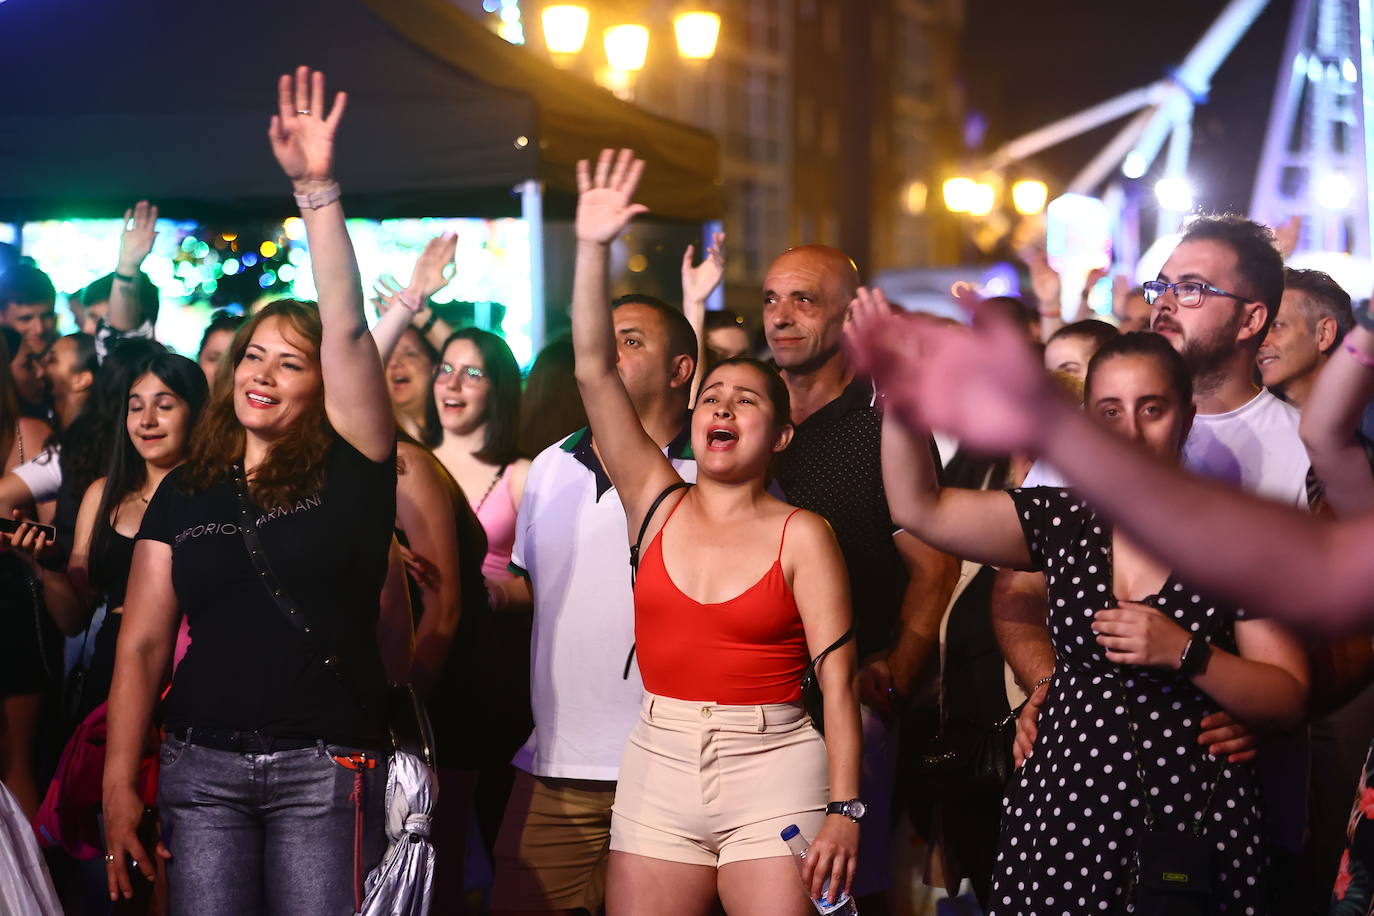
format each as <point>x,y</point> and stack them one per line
<point>497,515</point>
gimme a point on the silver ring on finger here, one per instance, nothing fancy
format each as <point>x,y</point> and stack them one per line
<point>109,857</point>
<point>133,863</point>
<point>302,111</point>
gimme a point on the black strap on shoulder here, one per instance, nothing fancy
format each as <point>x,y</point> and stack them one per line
<point>811,667</point>
<point>248,526</point>
<point>644,528</point>
<point>634,555</point>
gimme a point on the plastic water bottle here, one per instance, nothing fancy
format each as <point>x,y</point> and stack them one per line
<point>845,906</point>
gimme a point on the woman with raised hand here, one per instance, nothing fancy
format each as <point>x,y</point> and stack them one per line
<point>406,339</point>
<point>736,590</point>
<point>1141,658</point>
<point>273,540</point>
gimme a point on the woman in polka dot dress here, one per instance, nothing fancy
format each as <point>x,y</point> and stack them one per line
<point>1120,624</point>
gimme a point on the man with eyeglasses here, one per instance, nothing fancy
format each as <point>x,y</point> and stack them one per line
<point>1214,301</point>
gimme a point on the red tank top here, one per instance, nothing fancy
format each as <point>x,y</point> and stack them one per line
<point>747,651</point>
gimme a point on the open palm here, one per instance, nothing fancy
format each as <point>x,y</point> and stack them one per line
<point>302,137</point>
<point>603,197</point>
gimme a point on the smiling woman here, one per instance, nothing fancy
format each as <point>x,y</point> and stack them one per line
<point>290,493</point>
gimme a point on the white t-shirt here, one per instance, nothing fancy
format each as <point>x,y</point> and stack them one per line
<point>42,474</point>
<point>1255,447</point>
<point>570,537</point>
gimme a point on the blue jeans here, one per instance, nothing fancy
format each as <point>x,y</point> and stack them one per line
<point>266,834</point>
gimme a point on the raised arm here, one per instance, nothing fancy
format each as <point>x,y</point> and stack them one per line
<point>978,525</point>
<point>1331,418</point>
<point>135,243</point>
<point>987,389</point>
<point>302,138</point>
<point>698,282</point>
<point>632,459</point>
<point>401,308</point>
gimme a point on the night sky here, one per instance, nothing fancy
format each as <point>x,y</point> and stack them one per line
<point>1026,64</point>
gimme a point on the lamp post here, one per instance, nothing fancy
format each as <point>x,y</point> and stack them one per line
<point>565,31</point>
<point>626,45</point>
<point>627,49</point>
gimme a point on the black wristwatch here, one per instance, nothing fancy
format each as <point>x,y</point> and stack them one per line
<point>1193,660</point>
<point>852,809</point>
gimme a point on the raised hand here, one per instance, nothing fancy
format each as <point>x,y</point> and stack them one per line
<point>388,293</point>
<point>985,387</point>
<point>302,136</point>
<point>700,281</point>
<point>1045,281</point>
<point>136,239</point>
<point>432,269</point>
<point>603,197</point>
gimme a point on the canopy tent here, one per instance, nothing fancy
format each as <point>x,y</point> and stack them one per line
<point>106,103</point>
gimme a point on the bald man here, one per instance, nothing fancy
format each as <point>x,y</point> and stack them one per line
<point>899,586</point>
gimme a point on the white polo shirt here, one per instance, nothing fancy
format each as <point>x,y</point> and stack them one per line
<point>570,539</point>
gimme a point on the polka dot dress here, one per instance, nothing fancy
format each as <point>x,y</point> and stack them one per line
<point>1074,811</point>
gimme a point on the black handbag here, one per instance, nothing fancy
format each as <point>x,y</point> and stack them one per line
<point>966,752</point>
<point>1175,874</point>
<point>407,721</point>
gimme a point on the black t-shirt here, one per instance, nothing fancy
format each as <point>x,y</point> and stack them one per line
<point>833,468</point>
<point>248,669</point>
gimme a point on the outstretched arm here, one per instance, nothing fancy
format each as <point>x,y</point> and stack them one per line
<point>633,460</point>
<point>1330,420</point>
<point>977,524</point>
<point>698,282</point>
<point>135,243</point>
<point>987,388</point>
<point>402,307</point>
<point>302,138</point>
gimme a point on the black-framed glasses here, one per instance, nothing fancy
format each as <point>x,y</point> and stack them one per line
<point>1187,293</point>
<point>447,371</point>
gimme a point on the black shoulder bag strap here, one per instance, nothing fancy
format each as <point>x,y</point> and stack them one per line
<point>634,555</point>
<point>813,701</point>
<point>406,720</point>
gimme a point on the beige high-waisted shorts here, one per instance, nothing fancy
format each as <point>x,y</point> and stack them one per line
<point>708,784</point>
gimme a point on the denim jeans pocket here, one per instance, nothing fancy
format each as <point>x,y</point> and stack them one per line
<point>172,750</point>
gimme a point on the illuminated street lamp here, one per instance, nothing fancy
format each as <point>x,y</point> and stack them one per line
<point>982,199</point>
<point>627,47</point>
<point>697,33</point>
<point>565,30</point>
<point>1029,196</point>
<point>959,193</point>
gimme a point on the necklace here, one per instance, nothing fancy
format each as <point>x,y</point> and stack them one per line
<point>500,472</point>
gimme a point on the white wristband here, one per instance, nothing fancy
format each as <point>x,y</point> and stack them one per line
<point>317,199</point>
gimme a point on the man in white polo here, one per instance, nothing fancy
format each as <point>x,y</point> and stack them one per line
<point>585,690</point>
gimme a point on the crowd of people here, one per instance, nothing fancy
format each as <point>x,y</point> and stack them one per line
<point>1078,604</point>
